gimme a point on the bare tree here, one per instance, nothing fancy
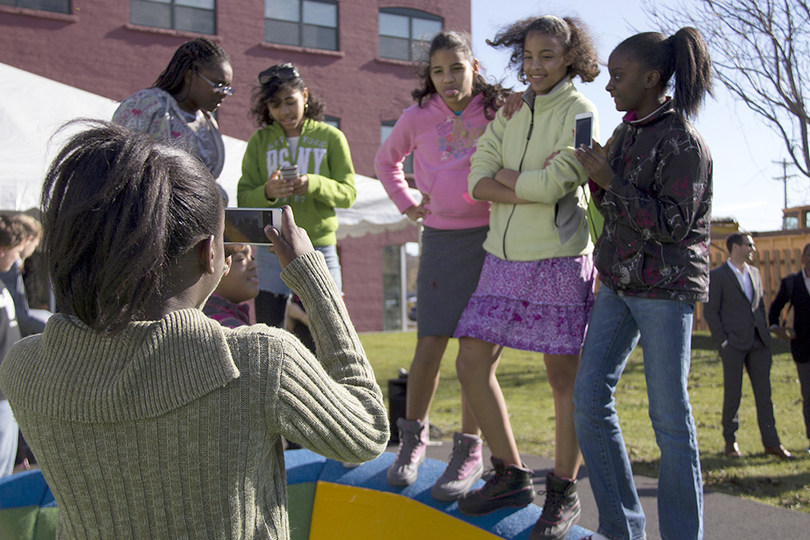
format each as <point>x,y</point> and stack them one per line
<point>761,53</point>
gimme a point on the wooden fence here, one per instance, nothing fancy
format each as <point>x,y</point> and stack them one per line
<point>773,265</point>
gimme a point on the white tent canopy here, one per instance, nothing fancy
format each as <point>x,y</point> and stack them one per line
<point>33,108</point>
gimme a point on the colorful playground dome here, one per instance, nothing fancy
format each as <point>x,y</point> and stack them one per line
<point>327,501</point>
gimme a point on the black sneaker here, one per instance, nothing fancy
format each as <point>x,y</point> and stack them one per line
<point>509,486</point>
<point>560,511</point>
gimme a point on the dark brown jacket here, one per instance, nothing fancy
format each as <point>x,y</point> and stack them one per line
<point>655,242</point>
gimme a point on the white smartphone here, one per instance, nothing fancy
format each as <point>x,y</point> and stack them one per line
<point>246,225</point>
<point>583,130</point>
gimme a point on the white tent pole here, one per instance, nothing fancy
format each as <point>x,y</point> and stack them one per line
<point>403,286</point>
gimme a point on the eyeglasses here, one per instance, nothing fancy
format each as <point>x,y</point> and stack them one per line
<point>284,72</point>
<point>219,88</point>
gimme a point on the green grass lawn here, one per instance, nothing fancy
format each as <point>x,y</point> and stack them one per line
<point>523,379</point>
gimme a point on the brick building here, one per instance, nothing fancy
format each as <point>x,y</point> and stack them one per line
<point>355,54</point>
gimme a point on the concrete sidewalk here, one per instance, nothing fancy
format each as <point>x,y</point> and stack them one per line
<point>725,517</point>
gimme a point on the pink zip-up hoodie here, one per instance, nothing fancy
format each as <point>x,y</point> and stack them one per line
<point>442,144</point>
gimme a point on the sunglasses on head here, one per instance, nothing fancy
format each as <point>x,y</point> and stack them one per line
<point>284,72</point>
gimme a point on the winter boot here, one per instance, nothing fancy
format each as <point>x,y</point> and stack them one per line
<point>560,511</point>
<point>413,437</point>
<point>465,468</point>
<point>509,486</point>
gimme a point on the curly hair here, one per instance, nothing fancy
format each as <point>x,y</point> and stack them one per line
<point>570,31</point>
<point>493,94</point>
<point>118,209</point>
<point>684,55</point>
<point>264,93</point>
<point>199,52</point>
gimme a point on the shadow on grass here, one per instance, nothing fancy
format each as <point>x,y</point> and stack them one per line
<point>734,477</point>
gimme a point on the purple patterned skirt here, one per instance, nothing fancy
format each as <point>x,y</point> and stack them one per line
<point>540,306</point>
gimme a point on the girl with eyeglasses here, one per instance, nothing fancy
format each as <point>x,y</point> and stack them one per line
<point>178,106</point>
<point>292,133</point>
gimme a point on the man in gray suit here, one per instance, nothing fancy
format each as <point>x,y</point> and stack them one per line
<point>736,316</point>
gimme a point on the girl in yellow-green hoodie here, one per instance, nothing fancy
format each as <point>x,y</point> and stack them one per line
<point>536,287</point>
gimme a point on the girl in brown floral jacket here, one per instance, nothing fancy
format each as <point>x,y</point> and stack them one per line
<point>652,182</point>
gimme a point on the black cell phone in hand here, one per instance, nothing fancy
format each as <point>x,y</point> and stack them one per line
<point>583,130</point>
<point>246,225</point>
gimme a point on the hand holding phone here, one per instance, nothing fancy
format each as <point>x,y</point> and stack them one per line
<point>289,240</point>
<point>276,187</point>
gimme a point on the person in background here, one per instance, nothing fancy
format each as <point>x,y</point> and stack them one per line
<point>736,316</point>
<point>179,106</point>
<point>794,290</point>
<point>536,287</point>
<point>454,105</point>
<point>12,242</point>
<point>13,278</point>
<point>170,422</point>
<point>292,132</point>
<point>238,285</point>
<point>653,184</point>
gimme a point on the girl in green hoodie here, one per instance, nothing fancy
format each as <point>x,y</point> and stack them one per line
<point>292,133</point>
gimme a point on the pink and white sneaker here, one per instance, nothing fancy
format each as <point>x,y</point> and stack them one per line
<point>413,436</point>
<point>465,467</point>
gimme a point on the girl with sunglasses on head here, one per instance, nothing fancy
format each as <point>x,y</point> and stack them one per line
<point>178,106</point>
<point>292,133</point>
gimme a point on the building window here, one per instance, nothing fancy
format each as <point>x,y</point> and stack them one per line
<point>190,15</point>
<point>302,23</point>
<point>403,32</point>
<point>385,131</point>
<point>332,121</point>
<point>57,6</point>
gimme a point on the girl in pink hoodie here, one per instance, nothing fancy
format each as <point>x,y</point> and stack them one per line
<point>454,105</point>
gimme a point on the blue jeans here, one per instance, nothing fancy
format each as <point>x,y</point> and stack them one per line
<point>665,329</point>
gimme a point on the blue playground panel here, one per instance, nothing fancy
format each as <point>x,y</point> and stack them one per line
<point>326,501</point>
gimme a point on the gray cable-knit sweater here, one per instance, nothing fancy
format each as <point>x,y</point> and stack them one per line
<point>172,428</point>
